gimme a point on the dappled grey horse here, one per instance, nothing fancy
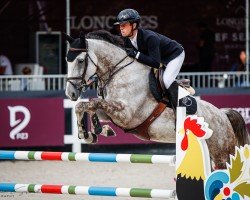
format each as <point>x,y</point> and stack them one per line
<point>125,97</point>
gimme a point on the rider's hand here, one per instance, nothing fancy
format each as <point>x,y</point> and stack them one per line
<point>131,52</point>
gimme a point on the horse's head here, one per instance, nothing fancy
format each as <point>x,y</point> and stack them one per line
<point>79,70</point>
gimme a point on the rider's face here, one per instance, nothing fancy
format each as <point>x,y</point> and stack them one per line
<point>126,29</point>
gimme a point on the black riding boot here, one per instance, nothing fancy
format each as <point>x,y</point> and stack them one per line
<point>173,94</point>
<point>188,101</point>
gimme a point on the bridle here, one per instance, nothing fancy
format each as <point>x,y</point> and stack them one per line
<point>95,77</point>
<point>83,83</point>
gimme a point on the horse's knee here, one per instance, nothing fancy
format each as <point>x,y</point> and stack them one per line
<point>79,108</point>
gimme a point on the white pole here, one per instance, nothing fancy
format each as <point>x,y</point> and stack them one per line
<point>247,41</point>
<point>67,20</point>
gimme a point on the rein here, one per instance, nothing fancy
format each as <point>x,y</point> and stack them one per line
<point>111,74</point>
<point>83,83</point>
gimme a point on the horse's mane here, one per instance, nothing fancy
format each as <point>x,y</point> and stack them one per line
<point>106,36</point>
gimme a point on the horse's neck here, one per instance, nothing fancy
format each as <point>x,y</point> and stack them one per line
<point>107,55</point>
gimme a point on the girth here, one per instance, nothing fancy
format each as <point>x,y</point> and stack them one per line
<point>142,129</point>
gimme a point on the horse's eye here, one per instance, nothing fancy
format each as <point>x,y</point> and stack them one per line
<point>80,60</point>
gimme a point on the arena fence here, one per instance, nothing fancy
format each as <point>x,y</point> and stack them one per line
<point>58,82</point>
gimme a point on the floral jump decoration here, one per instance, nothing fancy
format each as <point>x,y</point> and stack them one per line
<point>234,182</point>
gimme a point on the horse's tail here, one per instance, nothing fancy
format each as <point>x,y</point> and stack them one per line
<point>239,126</point>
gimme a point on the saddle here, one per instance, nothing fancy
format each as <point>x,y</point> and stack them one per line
<point>185,83</point>
<point>161,94</point>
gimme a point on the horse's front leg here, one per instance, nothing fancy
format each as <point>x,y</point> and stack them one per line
<point>104,130</point>
<point>96,123</point>
<point>91,108</point>
<point>114,109</point>
<point>80,109</point>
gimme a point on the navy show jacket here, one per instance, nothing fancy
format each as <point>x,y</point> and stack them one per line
<point>155,48</point>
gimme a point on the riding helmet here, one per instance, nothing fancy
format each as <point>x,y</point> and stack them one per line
<point>128,15</point>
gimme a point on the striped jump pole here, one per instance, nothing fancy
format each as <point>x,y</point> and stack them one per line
<point>88,157</point>
<point>88,190</point>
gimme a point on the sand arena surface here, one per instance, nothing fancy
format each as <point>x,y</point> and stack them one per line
<point>153,176</point>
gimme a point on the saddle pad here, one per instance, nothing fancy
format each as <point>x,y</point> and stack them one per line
<point>153,86</point>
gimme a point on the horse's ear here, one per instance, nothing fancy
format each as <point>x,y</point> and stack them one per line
<point>82,38</point>
<point>68,38</point>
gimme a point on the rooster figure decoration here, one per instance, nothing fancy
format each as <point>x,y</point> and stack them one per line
<point>193,161</point>
<point>194,178</point>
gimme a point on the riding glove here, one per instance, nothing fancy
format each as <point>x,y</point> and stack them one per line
<point>131,52</point>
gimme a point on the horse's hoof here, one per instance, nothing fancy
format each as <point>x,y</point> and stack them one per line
<point>80,135</point>
<point>92,138</point>
<point>111,133</point>
<point>98,130</point>
<point>107,131</point>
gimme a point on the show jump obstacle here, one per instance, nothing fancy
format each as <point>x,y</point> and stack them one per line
<point>88,157</point>
<point>87,190</point>
<point>193,169</point>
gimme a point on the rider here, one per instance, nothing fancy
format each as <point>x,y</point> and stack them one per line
<point>152,49</point>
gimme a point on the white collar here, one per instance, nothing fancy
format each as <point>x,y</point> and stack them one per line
<point>134,39</point>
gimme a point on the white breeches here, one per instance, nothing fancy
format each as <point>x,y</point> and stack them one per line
<point>173,69</point>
